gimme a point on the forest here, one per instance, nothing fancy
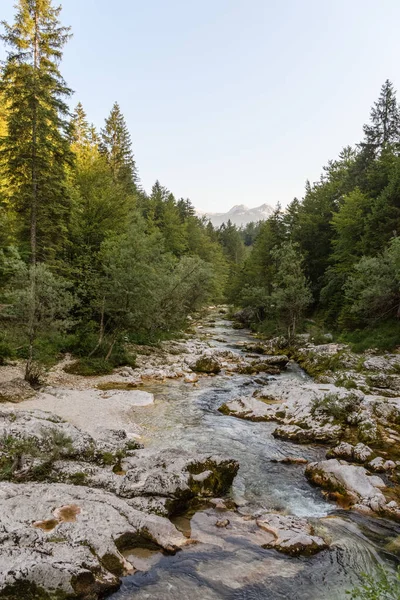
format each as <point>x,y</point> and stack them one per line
<point>335,255</point>
<point>90,261</point>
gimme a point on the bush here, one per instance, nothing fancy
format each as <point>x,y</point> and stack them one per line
<point>82,342</point>
<point>89,367</point>
<point>346,382</point>
<point>92,359</point>
<point>334,406</point>
<point>6,352</point>
<point>34,374</point>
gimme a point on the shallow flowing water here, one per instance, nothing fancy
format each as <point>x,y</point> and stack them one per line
<point>187,417</point>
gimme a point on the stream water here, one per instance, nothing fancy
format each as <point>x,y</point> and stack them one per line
<point>187,417</point>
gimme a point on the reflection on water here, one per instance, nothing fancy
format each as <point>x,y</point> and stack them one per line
<point>186,416</point>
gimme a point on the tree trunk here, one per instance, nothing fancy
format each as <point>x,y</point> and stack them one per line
<point>101,331</point>
<point>31,324</point>
<point>34,200</point>
<point>111,347</point>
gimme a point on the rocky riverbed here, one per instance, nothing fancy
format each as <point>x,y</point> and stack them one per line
<point>206,472</point>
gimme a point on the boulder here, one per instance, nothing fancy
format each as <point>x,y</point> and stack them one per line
<point>380,465</point>
<point>249,408</point>
<point>285,533</point>
<point>191,378</point>
<point>207,363</point>
<point>175,477</point>
<point>36,438</point>
<point>42,446</point>
<point>316,433</point>
<point>17,390</point>
<point>292,535</point>
<point>383,381</point>
<point>359,453</point>
<point>360,489</point>
<point>279,360</point>
<point>387,363</point>
<point>67,541</point>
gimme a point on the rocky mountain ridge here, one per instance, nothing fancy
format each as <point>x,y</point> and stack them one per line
<point>240,215</point>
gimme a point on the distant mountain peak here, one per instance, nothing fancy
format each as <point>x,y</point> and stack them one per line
<point>237,208</point>
<point>240,215</point>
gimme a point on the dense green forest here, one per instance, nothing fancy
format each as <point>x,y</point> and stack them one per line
<point>335,254</point>
<point>90,261</point>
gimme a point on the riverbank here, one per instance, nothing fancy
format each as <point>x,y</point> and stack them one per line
<point>176,492</point>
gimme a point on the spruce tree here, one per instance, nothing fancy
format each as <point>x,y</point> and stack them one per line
<point>116,145</point>
<point>384,127</point>
<point>80,128</point>
<point>35,152</point>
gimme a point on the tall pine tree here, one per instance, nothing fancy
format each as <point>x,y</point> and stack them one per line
<point>36,151</point>
<point>80,128</point>
<point>116,145</point>
<point>384,127</point>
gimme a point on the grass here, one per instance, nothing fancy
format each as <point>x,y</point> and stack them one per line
<point>383,337</point>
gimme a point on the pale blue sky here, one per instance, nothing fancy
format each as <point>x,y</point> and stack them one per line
<point>232,101</point>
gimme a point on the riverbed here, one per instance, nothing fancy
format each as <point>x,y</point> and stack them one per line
<point>186,416</point>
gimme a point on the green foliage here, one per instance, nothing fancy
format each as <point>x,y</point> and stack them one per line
<point>139,264</point>
<point>346,229</point>
<point>290,294</point>
<point>332,405</point>
<point>382,586</point>
<point>384,336</point>
<point>39,304</point>
<point>316,364</point>
<point>372,291</point>
<point>116,145</point>
<point>232,243</point>
<point>346,382</point>
<point>158,293</point>
<point>6,351</point>
<point>89,367</point>
<point>108,458</point>
<point>35,152</point>
<point>13,449</point>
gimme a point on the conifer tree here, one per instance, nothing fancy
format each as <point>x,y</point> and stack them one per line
<point>80,128</point>
<point>384,127</point>
<point>36,151</point>
<point>116,145</point>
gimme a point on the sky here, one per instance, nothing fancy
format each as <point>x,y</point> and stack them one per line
<point>231,101</point>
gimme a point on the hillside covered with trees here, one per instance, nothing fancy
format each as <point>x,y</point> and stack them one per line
<point>335,254</point>
<point>89,260</point>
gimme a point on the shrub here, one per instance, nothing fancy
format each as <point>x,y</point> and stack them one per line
<point>90,367</point>
<point>6,352</point>
<point>346,382</point>
<point>334,406</point>
<point>34,374</point>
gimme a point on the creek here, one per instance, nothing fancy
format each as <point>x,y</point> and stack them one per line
<point>187,417</point>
